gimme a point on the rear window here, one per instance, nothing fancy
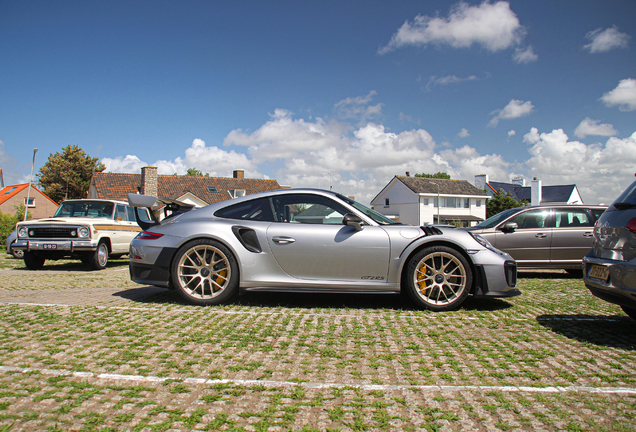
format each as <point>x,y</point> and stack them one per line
<point>628,196</point>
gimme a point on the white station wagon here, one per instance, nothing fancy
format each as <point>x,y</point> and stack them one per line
<point>90,230</point>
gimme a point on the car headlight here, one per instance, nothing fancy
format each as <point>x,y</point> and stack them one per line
<point>482,241</point>
<point>83,232</point>
<point>23,232</point>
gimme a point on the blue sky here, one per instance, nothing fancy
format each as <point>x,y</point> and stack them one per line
<point>308,92</point>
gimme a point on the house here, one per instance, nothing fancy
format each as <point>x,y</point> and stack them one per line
<point>40,205</point>
<point>197,190</point>
<point>414,200</point>
<point>535,194</point>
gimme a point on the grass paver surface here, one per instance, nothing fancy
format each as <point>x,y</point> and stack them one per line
<point>85,350</point>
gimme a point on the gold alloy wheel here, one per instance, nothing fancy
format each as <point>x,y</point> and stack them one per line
<point>440,278</point>
<point>204,272</point>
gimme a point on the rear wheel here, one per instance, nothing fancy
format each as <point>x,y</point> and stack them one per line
<point>99,258</point>
<point>205,272</point>
<point>17,253</point>
<point>631,312</point>
<point>33,261</point>
<point>438,278</point>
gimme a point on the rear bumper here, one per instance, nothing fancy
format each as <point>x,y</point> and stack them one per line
<point>157,274</point>
<point>50,245</point>
<point>619,288</point>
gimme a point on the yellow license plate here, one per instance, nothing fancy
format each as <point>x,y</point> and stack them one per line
<point>599,272</point>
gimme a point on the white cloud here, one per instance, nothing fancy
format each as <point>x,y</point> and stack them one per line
<point>600,172</point>
<point>514,109</point>
<point>494,26</point>
<point>624,95</point>
<point>606,40</point>
<point>463,133</point>
<point>512,133</point>
<point>127,164</point>
<point>524,55</point>
<point>446,80</point>
<point>593,127</point>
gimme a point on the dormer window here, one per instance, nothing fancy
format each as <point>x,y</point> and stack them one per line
<point>237,193</point>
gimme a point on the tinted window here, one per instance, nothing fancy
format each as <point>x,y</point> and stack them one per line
<point>597,213</point>
<point>532,219</point>
<point>308,209</point>
<point>628,196</point>
<point>259,209</point>
<point>565,218</point>
<point>493,221</point>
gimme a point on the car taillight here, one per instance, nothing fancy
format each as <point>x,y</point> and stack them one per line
<point>631,225</point>
<point>147,235</point>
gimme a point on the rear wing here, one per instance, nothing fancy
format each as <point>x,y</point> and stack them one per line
<point>169,206</point>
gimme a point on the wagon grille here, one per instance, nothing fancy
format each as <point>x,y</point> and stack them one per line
<point>53,232</point>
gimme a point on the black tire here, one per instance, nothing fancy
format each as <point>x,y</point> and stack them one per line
<point>438,278</point>
<point>205,272</point>
<point>33,261</point>
<point>577,273</point>
<point>629,311</point>
<point>99,258</point>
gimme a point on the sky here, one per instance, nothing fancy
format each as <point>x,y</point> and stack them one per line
<point>340,94</point>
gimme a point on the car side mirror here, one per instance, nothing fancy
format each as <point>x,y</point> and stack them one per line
<point>352,220</point>
<point>509,227</point>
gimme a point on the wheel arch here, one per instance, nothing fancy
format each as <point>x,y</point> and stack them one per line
<point>210,237</point>
<point>409,255</point>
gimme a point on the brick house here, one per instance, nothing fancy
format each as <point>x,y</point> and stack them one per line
<point>40,205</point>
<point>197,190</point>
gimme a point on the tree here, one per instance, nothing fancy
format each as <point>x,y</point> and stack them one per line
<point>8,221</point>
<point>67,174</point>
<point>501,201</point>
<point>438,175</point>
<point>196,172</point>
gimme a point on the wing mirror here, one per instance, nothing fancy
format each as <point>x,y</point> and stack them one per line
<point>352,220</point>
<point>509,227</point>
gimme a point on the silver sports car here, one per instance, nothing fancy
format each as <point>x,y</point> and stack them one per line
<point>311,240</point>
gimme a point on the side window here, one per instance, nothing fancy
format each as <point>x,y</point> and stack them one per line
<point>308,209</point>
<point>566,218</point>
<point>532,219</point>
<point>121,212</point>
<point>131,214</point>
<point>597,213</point>
<point>258,209</point>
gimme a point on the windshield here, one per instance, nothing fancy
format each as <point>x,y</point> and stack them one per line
<point>377,217</point>
<point>85,209</point>
<point>498,218</point>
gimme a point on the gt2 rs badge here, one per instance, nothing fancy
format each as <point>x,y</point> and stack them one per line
<point>372,277</point>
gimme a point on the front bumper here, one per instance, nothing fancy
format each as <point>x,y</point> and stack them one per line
<point>620,286</point>
<point>51,245</point>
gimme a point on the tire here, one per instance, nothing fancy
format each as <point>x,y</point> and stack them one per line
<point>576,273</point>
<point>205,272</point>
<point>17,254</point>
<point>99,258</point>
<point>33,261</point>
<point>629,311</point>
<point>438,278</point>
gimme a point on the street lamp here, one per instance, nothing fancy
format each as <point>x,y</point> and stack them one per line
<point>439,203</point>
<point>26,207</point>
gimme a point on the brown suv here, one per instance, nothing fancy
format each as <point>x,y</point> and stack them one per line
<point>545,236</point>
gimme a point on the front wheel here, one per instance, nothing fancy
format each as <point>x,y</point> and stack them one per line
<point>205,272</point>
<point>99,258</point>
<point>438,278</point>
<point>33,261</point>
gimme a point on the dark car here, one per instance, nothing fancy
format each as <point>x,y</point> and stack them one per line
<point>545,236</point>
<point>610,267</point>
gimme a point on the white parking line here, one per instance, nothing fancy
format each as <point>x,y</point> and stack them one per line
<point>309,385</point>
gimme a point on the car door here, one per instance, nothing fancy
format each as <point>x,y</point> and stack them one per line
<point>572,234</point>
<point>532,239</point>
<point>309,241</point>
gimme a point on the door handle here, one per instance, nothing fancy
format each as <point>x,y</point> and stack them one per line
<point>283,240</point>
<point>588,234</point>
<point>540,235</point>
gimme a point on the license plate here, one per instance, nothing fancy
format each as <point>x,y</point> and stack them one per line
<point>599,272</point>
<point>49,246</point>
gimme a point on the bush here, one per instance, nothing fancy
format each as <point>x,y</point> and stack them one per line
<point>8,221</point>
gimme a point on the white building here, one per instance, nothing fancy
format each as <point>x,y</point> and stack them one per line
<point>414,200</point>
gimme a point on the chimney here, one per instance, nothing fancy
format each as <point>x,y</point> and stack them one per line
<point>149,181</point>
<point>238,174</point>
<point>519,181</point>
<point>408,174</point>
<point>535,192</point>
<point>481,181</point>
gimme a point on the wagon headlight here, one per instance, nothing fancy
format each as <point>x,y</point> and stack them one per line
<point>83,232</point>
<point>482,241</point>
<point>23,232</point>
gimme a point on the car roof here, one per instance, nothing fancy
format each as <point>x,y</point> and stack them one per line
<point>549,206</point>
<point>107,201</point>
